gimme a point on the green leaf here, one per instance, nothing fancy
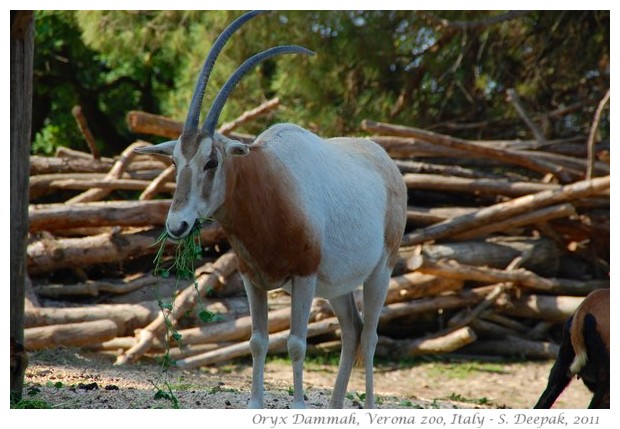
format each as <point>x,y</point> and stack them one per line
<point>207,316</point>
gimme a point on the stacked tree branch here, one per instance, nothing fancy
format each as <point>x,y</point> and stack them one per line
<point>502,243</point>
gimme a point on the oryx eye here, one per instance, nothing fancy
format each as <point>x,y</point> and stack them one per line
<point>211,163</point>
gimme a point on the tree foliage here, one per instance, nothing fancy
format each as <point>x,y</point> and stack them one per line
<point>446,70</point>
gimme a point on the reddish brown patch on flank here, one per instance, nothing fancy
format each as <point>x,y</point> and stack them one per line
<point>396,213</point>
<point>262,218</point>
<point>597,304</point>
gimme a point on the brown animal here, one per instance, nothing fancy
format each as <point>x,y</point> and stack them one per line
<point>584,352</point>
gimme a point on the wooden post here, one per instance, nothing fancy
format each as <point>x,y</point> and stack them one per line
<point>22,52</point>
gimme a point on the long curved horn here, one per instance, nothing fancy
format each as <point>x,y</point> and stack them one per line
<point>216,108</point>
<point>193,115</point>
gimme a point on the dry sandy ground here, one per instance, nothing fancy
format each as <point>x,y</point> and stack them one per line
<point>73,379</point>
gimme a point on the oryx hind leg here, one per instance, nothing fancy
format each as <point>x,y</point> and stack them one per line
<point>351,329</point>
<point>374,293</point>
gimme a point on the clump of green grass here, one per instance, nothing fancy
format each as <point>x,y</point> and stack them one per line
<point>31,404</point>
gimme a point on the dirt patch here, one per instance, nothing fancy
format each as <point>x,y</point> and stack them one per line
<point>74,379</point>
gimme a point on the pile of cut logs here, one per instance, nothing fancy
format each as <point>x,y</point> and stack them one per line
<point>504,239</point>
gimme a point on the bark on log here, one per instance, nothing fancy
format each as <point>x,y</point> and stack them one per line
<point>40,185</point>
<point>506,156</point>
<point>439,343</point>
<point>479,186</point>
<point>235,330</point>
<point>508,322</point>
<point>52,217</point>
<point>543,255</point>
<point>508,209</point>
<point>159,184</point>
<point>574,165</point>
<point>489,330</point>
<point>425,305</point>
<point>116,172</point>
<point>249,115</point>
<point>147,123</point>
<point>521,277</point>
<point>402,288</point>
<point>128,317</point>
<point>119,344</point>
<point>534,217</point>
<point>424,216</point>
<point>410,148</point>
<point>445,170</point>
<point>70,335</point>
<point>416,285</point>
<point>49,255</point>
<point>95,288</point>
<point>55,165</point>
<point>185,301</point>
<point>514,347</point>
<point>108,185</point>
<point>552,308</point>
<point>276,341</point>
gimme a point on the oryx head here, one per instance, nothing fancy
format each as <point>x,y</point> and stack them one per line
<point>199,154</point>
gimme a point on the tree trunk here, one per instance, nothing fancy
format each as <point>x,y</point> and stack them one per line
<point>22,53</point>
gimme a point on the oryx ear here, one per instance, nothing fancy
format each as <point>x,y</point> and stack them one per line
<point>164,148</point>
<point>235,148</point>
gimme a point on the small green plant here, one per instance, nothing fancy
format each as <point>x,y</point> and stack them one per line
<point>182,266</point>
<point>356,396</point>
<point>167,394</point>
<point>409,404</point>
<point>461,398</point>
<point>219,389</point>
<point>33,390</point>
